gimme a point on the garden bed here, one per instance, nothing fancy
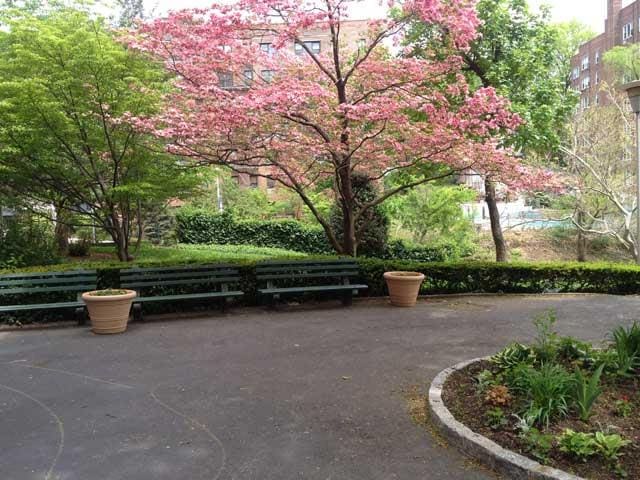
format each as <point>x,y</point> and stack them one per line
<point>543,401</point>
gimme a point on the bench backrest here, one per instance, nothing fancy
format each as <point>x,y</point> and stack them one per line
<point>210,275</point>
<point>275,271</point>
<point>76,281</point>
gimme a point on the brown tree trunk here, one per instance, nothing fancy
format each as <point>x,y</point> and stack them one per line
<point>502,252</point>
<point>348,214</point>
<point>581,242</point>
<point>62,229</point>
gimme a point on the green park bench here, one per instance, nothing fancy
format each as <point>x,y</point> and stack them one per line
<point>277,279</point>
<point>45,291</point>
<point>178,283</point>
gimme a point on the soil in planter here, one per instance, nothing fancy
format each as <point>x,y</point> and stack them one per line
<point>462,398</point>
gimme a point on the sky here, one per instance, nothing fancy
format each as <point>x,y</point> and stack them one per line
<point>589,12</point>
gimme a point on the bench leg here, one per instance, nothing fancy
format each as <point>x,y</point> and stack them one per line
<point>347,299</point>
<point>137,312</point>
<point>81,316</point>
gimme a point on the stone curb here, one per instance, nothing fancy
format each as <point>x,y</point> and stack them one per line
<point>505,462</point>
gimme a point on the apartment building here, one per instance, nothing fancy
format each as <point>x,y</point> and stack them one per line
<point>318,40</point>
<point>622,26</point>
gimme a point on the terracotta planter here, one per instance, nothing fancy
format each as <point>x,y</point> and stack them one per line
<point>404,287</point>
<point>109,313</point>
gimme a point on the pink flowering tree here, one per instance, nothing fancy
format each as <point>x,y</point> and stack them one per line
<point>253,96</point>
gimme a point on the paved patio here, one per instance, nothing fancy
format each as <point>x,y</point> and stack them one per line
<point>296,394</point>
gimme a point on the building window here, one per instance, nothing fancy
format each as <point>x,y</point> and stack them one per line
<point>247,75</point>
<point>597,57</point>
<point>584,102</point>
<point>271,183</point>
<point>267,75</point>
<point>314,46</point>
<point>585,63</point>
<point>253,181</point>
<point>586,83</point>
<point>225,80</point>
<point>575,74</point>
<point>267,48</point>
<point>597,99</point>
<point>597,78</point>
<point>627,32</point>
<point>362,43</point>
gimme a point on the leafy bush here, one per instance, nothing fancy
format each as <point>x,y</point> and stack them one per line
<point>81,248</point>
<point>581,445</point>
<point>537,444</point>
<point>626,344</point>
<point>513,355</point>
<point>496,419</point>
<point>373,242</point>
<point>548,390</point>
<point>201,227</point>
<point>584,445</point>
<point>586,391</point>
<point>26,242</point>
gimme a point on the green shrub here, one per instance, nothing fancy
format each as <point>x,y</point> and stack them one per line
<point>578,444</point>
<point>26,242</point>
<point>201,227</point>
<point>496,418</point>
<point>586,391</point>
<point>512,355</point>
<point>548,390</point>
<point>626,344</point>
<point>373,241</point>
<point>81,248</point>
<point>537,444</point>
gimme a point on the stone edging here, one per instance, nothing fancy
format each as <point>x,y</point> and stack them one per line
<point>503,461</point>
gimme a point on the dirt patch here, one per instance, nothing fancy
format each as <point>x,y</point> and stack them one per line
<point>468,406</point>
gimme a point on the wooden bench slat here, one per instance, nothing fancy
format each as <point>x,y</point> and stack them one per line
<point>192,296</point>
<point>48,281</point>
<point>304,267</point>
<point>40,306</point>
<point>179,275</point>
<point>160,283</point>
<point>36,275</point>
<point>307,262</point>
<point>319,288</point>
<point>294,276</point>
<point>194,268</point>
<point>68,288</point>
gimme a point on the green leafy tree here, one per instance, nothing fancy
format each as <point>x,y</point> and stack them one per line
<point>67,88</point>
<point>130,11</point>
<point>434,213</point>
<point>525,58</point>
<point>624,61</point>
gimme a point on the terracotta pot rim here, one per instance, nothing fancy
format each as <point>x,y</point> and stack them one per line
<point>88,297</point>
<point>405,276</point>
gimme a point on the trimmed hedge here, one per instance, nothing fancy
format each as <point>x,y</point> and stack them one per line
<point>202,227</point>
<point>442,278</point>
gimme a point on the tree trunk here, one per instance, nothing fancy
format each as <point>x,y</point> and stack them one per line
<point>502,253</point>
<point>581,244</point>
<point>62,229</point>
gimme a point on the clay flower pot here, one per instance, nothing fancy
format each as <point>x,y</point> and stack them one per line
<point>109,310</point>
<point>404,287</point>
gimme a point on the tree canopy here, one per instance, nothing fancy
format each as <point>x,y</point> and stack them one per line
<point>67,90</point>
<point>251,94</point>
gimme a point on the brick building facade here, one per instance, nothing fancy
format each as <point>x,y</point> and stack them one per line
<point>622,26</point>
<point>352,32</point>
